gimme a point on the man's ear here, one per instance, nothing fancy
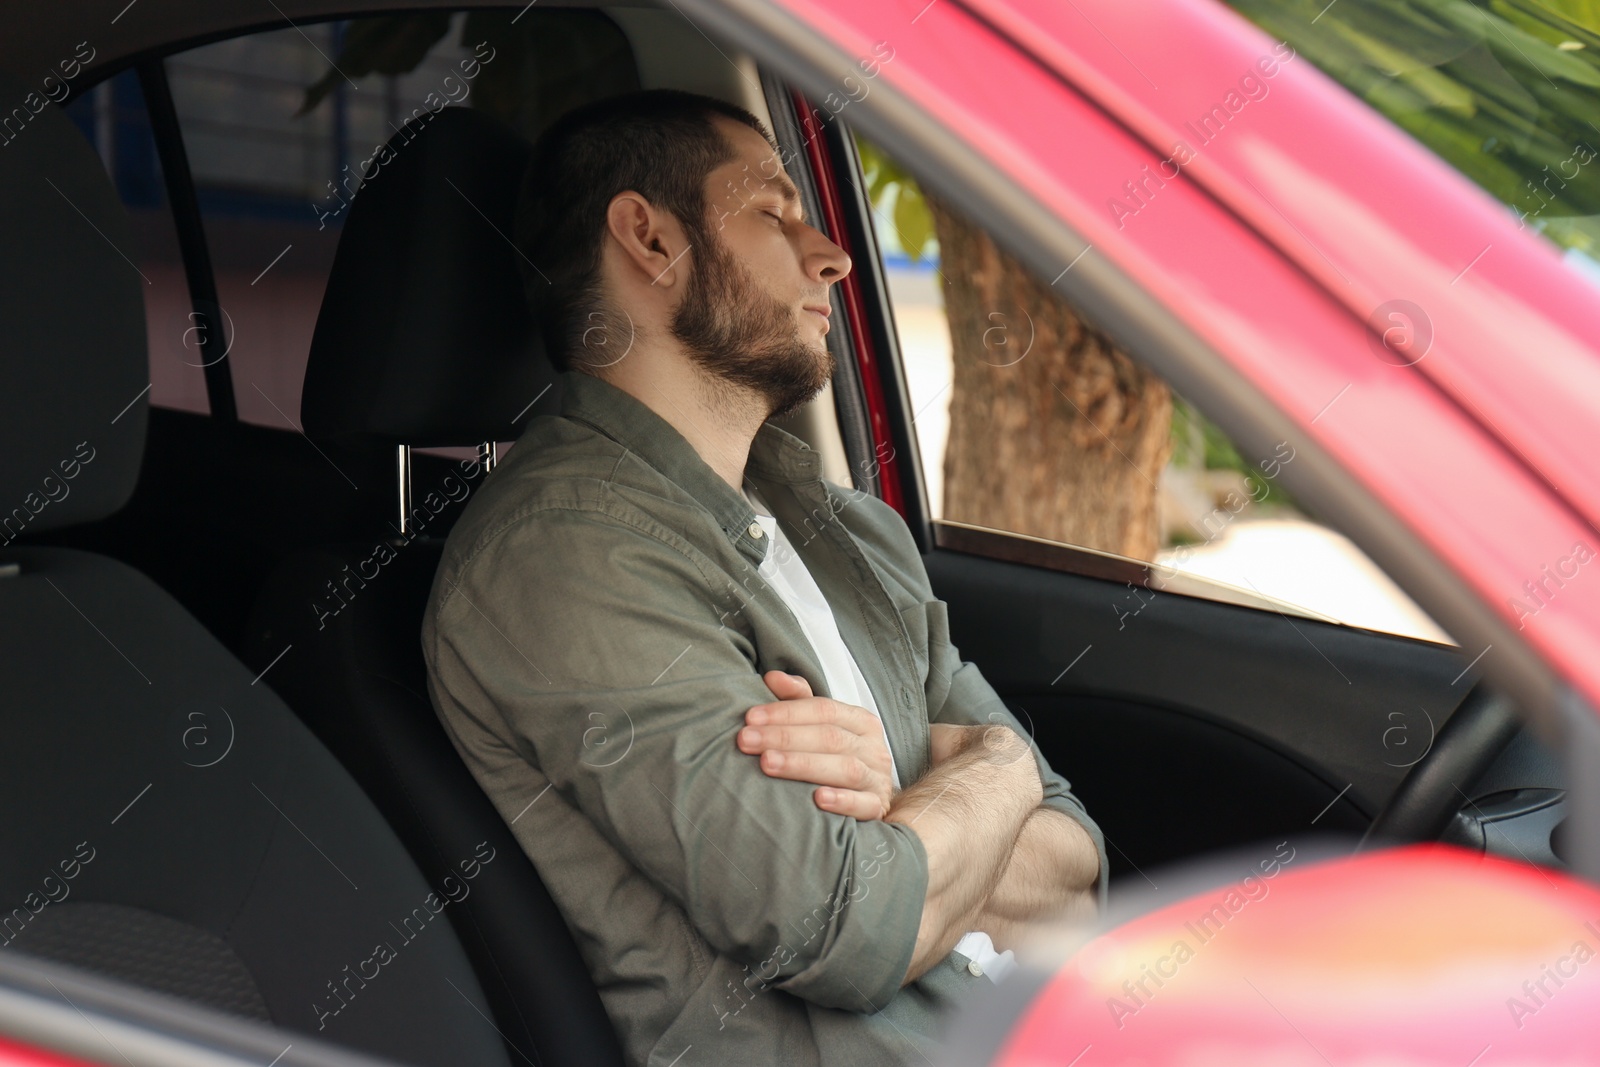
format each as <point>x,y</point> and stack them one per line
<point>650,238</point>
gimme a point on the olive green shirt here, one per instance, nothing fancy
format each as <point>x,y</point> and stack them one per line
<point>596,632</point>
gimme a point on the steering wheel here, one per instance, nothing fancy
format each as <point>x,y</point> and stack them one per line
<point>1431,792</point>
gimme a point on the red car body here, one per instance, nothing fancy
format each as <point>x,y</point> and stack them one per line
<point>1422,956</point>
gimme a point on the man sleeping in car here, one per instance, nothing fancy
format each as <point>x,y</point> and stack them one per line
<point>713,694</point>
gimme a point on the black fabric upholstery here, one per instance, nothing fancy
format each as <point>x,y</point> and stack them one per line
<point>72,409</point>
<point>135,740</point>
<point>425,337</point>
<point>358,680</point>
<point>149,950</point>
<point>162,810</point>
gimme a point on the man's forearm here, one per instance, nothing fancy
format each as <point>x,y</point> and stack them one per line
<point>1052,874</point>
<point>968,812</point>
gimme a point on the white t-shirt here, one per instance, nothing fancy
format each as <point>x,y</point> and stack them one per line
<point>784,571</point>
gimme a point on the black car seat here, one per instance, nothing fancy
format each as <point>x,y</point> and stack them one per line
<point>425,339</point>
<point>164,819</point>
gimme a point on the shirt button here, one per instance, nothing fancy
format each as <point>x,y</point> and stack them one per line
<point>756,531</point>
<point>974,969</point>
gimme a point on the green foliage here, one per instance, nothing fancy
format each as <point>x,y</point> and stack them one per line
<point>887,182</point>
<point>1197,442</point>
<point>1506,91</point>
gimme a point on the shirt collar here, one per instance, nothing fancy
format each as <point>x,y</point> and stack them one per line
<point>775,455</point>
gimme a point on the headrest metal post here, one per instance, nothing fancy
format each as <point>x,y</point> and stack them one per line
<point>488,456</point>
<point>402,455</point>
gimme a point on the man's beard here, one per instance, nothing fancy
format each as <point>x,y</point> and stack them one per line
<point>743,336</point>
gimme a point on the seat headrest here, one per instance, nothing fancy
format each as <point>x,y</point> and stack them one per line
<point>425,337</point>
<point>74,367</point>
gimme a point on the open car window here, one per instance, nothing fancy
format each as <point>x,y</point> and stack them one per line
<point>277,145</point>
<point>1032,423</point>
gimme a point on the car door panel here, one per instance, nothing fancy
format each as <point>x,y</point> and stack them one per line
<point>1190,724</point>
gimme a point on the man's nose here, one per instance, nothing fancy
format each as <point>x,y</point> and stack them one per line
<point>830,263</point>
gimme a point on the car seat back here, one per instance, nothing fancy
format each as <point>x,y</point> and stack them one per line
<point>166,819</point>
<point>425,339</point>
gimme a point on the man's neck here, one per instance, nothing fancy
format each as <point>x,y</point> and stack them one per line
<point>717,418</point>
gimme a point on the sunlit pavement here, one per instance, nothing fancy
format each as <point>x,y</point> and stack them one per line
<point>1311,566</point>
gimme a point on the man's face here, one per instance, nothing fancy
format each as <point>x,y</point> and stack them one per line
<point>754,311</point>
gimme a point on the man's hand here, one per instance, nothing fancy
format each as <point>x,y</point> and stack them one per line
<point>836,746</point>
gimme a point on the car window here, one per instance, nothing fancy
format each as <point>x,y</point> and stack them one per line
<point>113,117</point>
<point>1030,422</point>
<point>276,141</point>
<point>1506,91</point>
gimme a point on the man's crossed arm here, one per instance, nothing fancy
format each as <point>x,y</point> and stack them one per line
<point>997,859</point>
<point>765,870</point>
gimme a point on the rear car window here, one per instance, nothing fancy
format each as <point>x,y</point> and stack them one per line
<point>276,140</point>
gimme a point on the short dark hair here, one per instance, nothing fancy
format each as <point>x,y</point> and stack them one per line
<point>661,143</point>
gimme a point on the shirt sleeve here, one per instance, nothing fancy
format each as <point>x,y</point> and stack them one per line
<point>598,644</point>
<point>970,700</point>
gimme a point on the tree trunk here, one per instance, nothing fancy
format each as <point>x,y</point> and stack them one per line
<point>1053,431</point>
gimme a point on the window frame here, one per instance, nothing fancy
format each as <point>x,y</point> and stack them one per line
<point>973,539</point>
<point>184,203</point>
